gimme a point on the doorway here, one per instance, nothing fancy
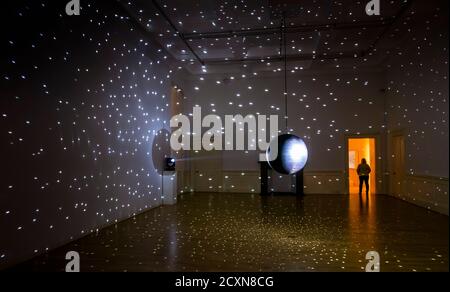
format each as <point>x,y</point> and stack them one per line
<point>359,148</point>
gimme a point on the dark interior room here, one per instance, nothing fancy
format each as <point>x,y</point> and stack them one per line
<point>224,136</point>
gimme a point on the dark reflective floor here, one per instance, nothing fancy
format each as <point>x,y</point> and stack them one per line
<point>226,232</point>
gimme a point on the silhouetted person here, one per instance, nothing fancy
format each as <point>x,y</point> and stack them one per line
<point>363,172</point>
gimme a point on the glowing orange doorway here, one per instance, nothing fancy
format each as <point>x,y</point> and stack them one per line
<point>359,148</point>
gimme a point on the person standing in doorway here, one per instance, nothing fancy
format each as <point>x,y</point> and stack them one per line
<point>363,173</point>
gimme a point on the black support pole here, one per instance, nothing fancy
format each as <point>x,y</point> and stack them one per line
<point>299,184</point>
<point>264,178</point>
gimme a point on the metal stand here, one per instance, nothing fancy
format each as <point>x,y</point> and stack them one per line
<point>264,172</point>
<point>299,183</point>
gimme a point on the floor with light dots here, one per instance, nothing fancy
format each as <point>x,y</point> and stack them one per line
<point>239,232</point>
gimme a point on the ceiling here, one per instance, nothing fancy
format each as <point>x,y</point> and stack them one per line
<point>214,36</point>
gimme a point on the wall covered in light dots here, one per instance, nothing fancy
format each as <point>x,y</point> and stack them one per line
<point>417,76</point>
<point>418,105</point>
<point>324,108</point>
<point>82,106</point>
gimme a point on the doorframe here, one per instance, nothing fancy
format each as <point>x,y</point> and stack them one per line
<point>379,165</point>
<point>395,133</point>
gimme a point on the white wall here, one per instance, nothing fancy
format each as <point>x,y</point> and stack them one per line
<point>417,77</point>
<point>323,108</point>
<point>80,113</point>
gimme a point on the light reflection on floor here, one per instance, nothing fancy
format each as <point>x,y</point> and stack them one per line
<point>226,232</point>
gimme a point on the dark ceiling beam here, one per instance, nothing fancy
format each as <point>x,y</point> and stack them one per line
<point>388,24</point>
<point>309,57</point>
<point>394,22</point>
<point>279,58</point>
<point>288,29</point>
<point>180,35</point>
<point>134,21</point>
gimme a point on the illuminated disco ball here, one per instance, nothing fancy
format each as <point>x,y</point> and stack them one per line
<point>292,154</point>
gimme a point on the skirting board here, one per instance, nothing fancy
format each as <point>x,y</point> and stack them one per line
<point>426,191</point>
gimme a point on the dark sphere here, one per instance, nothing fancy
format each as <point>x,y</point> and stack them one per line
<point>291,156</point>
